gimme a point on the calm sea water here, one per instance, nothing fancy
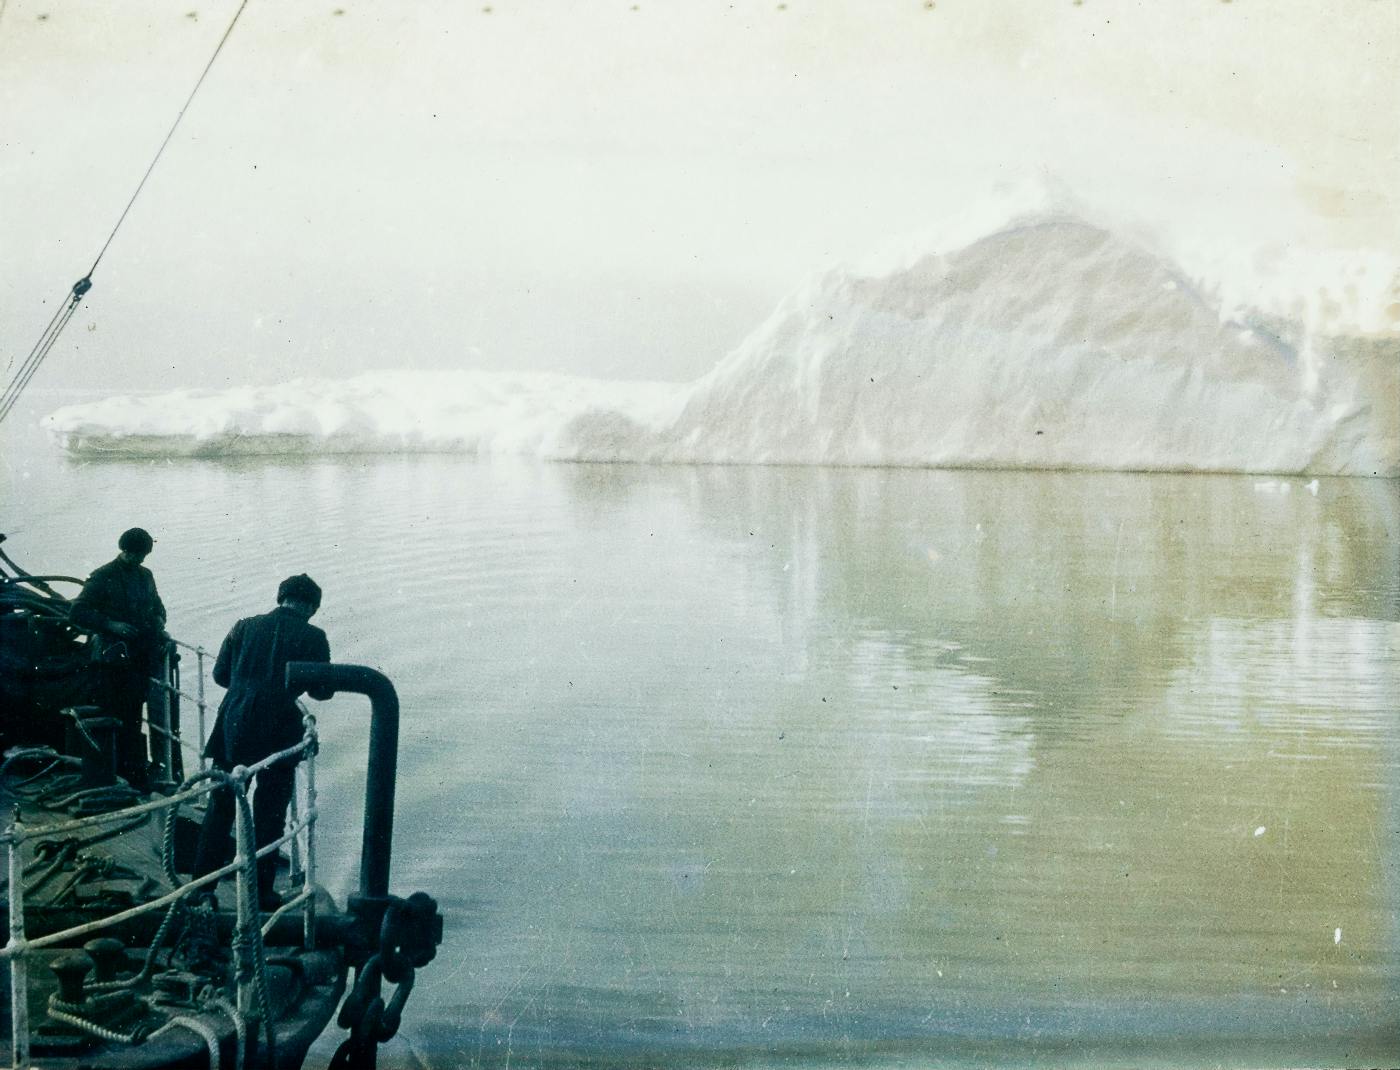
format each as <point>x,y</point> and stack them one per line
<point>773,766</point>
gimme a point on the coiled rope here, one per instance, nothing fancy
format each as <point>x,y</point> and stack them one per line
<point>65,311</point>
<point>201,1028</point>
<point>67,1017</point>
<point>250,942</point>
<point>240,1027</point>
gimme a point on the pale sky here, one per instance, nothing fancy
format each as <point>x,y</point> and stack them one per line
<point>621,189</point>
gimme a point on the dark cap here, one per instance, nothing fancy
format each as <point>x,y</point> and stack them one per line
<point>299,588</point>
<point>136,541</point>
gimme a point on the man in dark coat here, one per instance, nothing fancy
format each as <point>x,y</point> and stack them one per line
<point>119,605</point>
<point>259,717</point>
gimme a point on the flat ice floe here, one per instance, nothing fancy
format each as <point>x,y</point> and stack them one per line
<point>1044,341</point>
<point>376,412</point>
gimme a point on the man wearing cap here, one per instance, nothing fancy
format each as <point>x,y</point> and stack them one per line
<point>120,606</point>
<point>258,717</point>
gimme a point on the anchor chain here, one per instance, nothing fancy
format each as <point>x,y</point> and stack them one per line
<point>409,934</point>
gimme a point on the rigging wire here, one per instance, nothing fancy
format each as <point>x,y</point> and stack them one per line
<point>188,100</point>
<point>41,348</point>
<point>75,295</point>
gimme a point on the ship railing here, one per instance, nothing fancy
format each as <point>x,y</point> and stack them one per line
<point>163,717</point>
<point>19,947</point>
<point>163,721</point>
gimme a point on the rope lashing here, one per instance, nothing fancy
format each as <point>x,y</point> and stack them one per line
<point>136,1036</point>
<point>202,1029</point>
<point>251,942</point>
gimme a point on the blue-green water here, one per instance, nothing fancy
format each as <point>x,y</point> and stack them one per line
<point>776,766</point>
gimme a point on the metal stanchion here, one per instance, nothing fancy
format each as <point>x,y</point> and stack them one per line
<point>19,967</point>
<point>199,690</point>
<point>308,884</point>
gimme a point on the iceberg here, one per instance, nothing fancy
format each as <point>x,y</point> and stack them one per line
<point>1038,339</point>
<point>471,412</point>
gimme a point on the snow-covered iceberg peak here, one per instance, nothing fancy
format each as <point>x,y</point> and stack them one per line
<point>1048,343</point>
<point>1039,340</point>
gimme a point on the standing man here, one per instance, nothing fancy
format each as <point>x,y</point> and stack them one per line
<point>119,605</point>
<point>259,717</point>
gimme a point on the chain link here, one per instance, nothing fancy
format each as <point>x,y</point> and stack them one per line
<point>409,934</point>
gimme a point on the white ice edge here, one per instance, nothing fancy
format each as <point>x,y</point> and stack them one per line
<point>1022,334</point>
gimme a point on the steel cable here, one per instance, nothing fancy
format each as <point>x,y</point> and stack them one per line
<point>51,332</point>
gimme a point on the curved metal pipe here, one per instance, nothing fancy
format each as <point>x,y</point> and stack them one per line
<point>383,756</point>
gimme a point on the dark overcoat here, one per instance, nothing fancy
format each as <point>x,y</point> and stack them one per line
<point>123,592</point>
<point>258,715</point>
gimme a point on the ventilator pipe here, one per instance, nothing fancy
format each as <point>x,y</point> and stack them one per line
<point>383,757</point>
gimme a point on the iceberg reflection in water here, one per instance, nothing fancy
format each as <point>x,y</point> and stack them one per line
<point>816,766</point>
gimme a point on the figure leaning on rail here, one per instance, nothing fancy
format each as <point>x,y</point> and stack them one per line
<point>258,717</point>
<point>120,606</point>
